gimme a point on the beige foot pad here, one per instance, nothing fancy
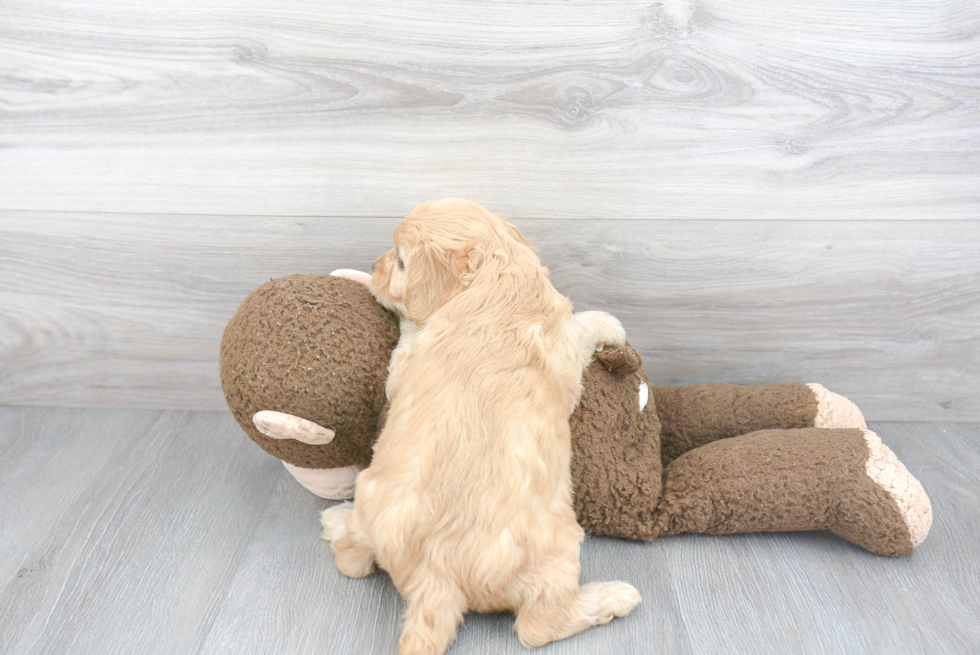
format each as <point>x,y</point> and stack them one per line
<point>834,410</point>
<point>277,425</point>
<point>332,484</point>
<point>885,470</point>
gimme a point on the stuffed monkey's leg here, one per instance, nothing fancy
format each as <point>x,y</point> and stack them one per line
<point>695,415</point>
<point>844,480</point>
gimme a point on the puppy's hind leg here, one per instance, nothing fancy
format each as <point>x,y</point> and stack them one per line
<point>353,554</point>
<point>435,607</point>
<point>559,608</point>
<point>550,617</point>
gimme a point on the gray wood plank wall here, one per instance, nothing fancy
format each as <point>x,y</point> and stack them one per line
<point>760,191</point>
<point>701,109</point>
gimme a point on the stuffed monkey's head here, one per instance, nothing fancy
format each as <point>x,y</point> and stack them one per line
<point>317,347</point>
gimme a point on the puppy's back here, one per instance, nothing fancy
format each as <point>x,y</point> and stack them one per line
<point>472,468</point>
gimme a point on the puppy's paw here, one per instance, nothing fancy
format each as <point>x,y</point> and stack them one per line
<point>604,330</point>
<point>334,520</point>
<point>605,600</point>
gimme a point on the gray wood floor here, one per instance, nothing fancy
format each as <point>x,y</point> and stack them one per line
<point>150,531</point>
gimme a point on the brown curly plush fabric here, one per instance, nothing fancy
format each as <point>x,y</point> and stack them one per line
<point>774,481</point>
<point>297,345</point>
<point>616,471</point>
<point>621,361</point>
<point>699,414</point>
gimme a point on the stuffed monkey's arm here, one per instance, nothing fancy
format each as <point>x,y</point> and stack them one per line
<point>695,415</point>
<point>351,274</point>
<point>842,480</point>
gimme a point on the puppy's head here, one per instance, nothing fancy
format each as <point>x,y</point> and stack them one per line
<point>441,248</point>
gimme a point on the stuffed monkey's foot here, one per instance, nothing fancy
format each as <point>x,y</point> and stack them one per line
<point>332,484</point>
<point>886,471</point>
<point>834,410</point>
<point>842,480</point>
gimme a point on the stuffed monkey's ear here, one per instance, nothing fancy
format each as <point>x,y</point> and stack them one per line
<point>467,263</point>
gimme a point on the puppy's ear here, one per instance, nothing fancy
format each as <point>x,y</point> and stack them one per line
<point>429,281</point>
<point>466,264</point>
<point>516,235</point>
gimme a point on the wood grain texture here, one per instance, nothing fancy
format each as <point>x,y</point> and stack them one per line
<point>138,558</point>
<point>49,460</point>
<point>701,109</point>
<point>288,597</point>
<point>189,539</point>
<point>128,310</point>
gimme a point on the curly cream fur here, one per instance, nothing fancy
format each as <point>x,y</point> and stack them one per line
<point>467,502</point>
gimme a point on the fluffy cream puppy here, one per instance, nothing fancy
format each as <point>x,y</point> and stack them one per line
<point>468,500</point>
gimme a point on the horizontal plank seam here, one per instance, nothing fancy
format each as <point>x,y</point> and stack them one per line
<point>4,210</point>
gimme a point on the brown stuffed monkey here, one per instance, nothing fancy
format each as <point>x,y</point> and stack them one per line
<point>303,368</point>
